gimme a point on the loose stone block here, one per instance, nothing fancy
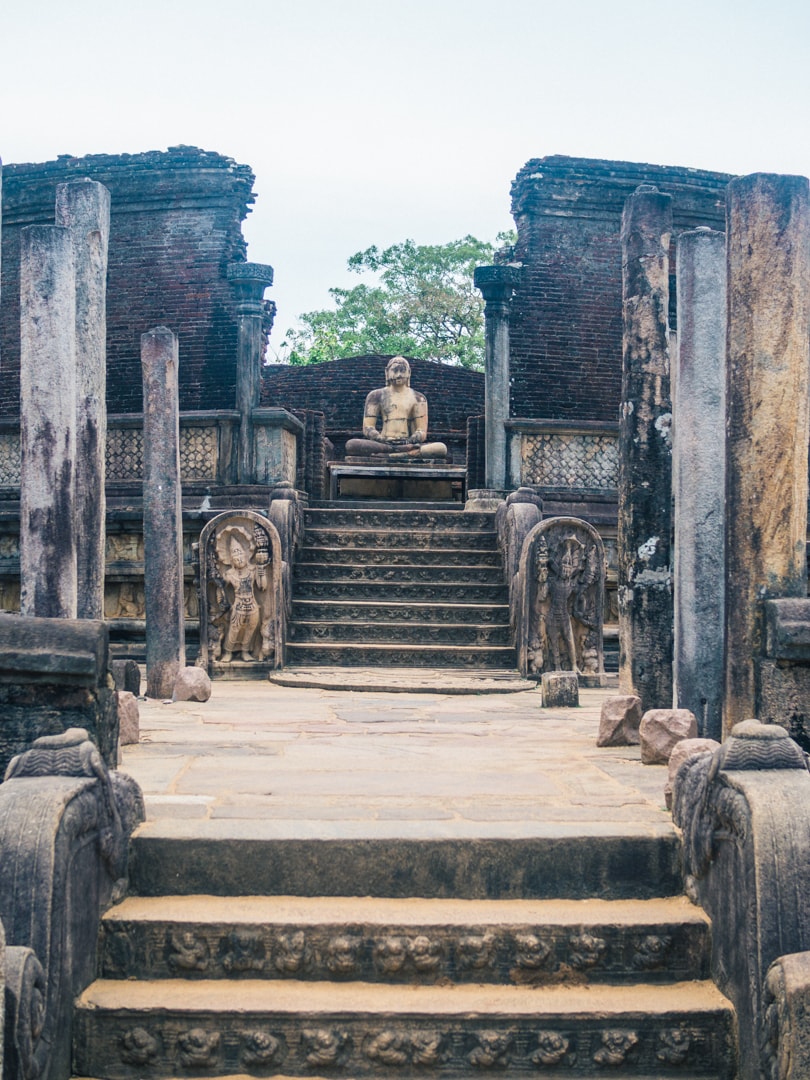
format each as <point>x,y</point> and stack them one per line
<point>619,721</point>
<point>127,676</point>
<point>768,228</point>
<point>683,751</point>
<point>129,720</point>
<point>699,455</point>
<point>560,690</point>
<point>645,453</point>
<point>84,208</point>
<point>192,684</point>
<point>162,514</point>
<point>48,584</point>
<point>661,729</point>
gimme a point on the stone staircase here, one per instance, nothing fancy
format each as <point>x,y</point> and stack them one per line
<point>400,587</point>
<point>389,957</point>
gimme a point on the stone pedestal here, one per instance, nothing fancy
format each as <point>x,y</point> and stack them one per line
<point>249,281</point>
<point>84,207</point>
<point>768,230</point>
<point>162,515</point>
<point>275,436</point>
<point>47,422</point>
<point>699,454</point>
<point>496,283</point>
<point>645,454</point>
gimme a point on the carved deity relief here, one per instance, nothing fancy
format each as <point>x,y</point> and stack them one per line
<point>562,578</point>
<point>240,591</point>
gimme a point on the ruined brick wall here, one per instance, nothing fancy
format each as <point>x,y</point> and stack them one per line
<point>175,225</point>
<point>338,389</point>
<point>566,320</point>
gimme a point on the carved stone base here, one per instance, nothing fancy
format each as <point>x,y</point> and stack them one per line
<point>241,669</point>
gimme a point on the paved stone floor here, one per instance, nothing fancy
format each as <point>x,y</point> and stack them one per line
<point>304,762</point>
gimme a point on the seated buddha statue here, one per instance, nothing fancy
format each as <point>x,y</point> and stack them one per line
<point>404,416</point>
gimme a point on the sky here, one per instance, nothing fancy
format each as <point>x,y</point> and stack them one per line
<point>372,121</point>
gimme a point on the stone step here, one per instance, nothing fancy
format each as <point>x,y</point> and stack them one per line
<point>125,1030</point>
<point>451,575</point>
<point>369,611</point>
<point>399,520</point>
<point>500,861</point>
<point>371,654</point>
<point>405,556</point>
<point>533,942</point>
<point>302,631</point>
<point>396,539</point>
<point>385,591</point>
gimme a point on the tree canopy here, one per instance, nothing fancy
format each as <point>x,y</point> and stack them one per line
<point>421,304</point>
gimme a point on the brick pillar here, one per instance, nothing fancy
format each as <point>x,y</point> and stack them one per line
<point>645,453</point>
<point>699,454</point>
<point>162,514</point>
<point>84,207</point>
<point>768,229</point>
<point>249,281</point>
<point>496,283</point>
<point>47,422</point>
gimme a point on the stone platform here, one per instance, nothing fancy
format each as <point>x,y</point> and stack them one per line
<point>427,480</point>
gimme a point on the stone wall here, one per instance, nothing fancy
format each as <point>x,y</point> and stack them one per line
<point>338,389</point>
<point>565,328</point>
<point>175,226</point>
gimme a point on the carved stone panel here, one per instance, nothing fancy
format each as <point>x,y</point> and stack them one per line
<point>562,583</point>
<point>240,594</point>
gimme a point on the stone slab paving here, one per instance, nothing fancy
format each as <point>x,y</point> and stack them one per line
<point>260,759</point>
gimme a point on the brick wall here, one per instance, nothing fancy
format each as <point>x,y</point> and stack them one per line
<point>338,389</point>
<point>566,320</point>
<point>175,225</point>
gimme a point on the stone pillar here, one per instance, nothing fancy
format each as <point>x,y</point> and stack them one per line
<point>645,453</point>
<point>47,422</point>
<point>84,207</point>
<point>249,281</point>
<point>699,454</point>
<point>768,229</point>
<point>496,283</point>
<point>162,514</point>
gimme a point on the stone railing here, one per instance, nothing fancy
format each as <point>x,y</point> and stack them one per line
<point>745,815</point>
<point>207,447</point>
<point>561,454</point>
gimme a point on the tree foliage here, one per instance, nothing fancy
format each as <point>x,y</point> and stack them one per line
<point>421,303</point>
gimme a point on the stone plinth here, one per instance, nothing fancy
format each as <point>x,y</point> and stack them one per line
<point>275,446</point>
<point>645,453</point>
<point>47,422</point>
<point>162,513</point>
<point>768,229</point>
<point>699,477</point>
<point>84,208</point>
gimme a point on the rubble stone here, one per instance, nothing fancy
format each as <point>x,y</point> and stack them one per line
<point>619,721</point>
<point>192,684</point>
<point>661,729</point>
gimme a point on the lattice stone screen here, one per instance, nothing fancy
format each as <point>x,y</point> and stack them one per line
<point>9,458</point>
<point>198,453</point>
<point>554,459</point>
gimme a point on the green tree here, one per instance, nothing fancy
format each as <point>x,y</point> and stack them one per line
<point>422,303</point>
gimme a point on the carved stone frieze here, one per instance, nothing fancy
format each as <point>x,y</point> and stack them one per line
<point>674,1046</point>
<point>242,950</point>
<point>198,1048</point>
<point>492,1050</point>
<point>9,596</point>
<point>587,951</point>
<point>290,952</point>
<point>138,1047</point>
<point>616,1045</point>
<point>261,1049</point>
<point>186,951</point>
<point>476,951</point>
<point>367,539</point>
<point>561,581</point>
<point>241,601</point>
<point>552,1048</point>
<point>341,954</point>
<point>124,600</point>
<point>651,952</point>
<point>124,547</point>
<point>325,1048</point>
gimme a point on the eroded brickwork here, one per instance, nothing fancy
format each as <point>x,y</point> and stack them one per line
<point>566,322</point>
<point>175,225</point>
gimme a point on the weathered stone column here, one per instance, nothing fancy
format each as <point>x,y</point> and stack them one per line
<point>162,515</point>
<point>768,358</point>
<point>249,281</point>
<point>699,454</point>
<point>84,207</point>
<point>47,422</point>
<point>496,283</point>
<point>645,453</point>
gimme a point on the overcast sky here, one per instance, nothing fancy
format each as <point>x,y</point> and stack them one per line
<point>370,122</point>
